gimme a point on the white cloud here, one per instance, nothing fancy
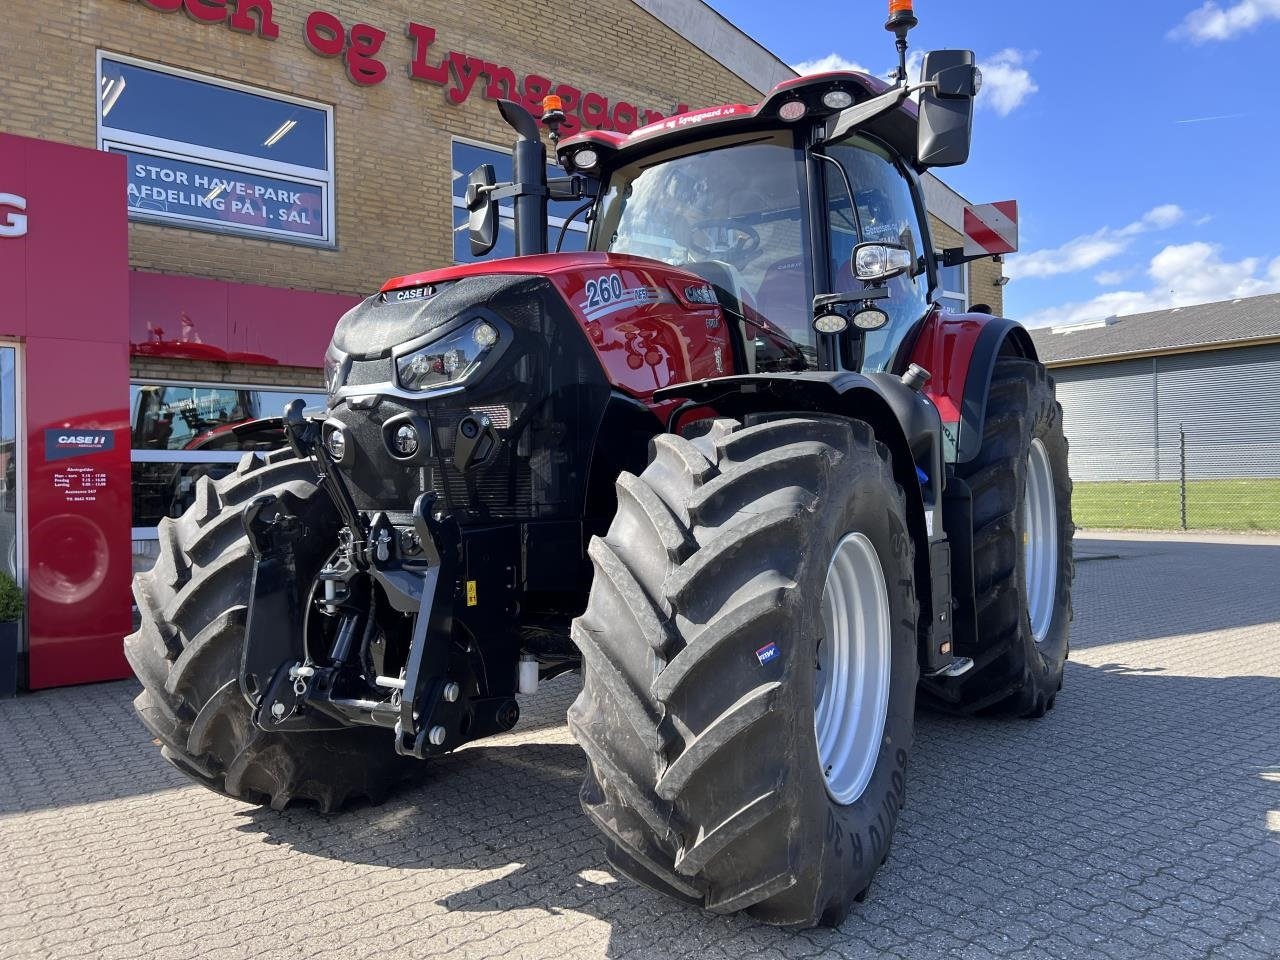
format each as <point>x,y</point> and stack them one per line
<point>1180,275</point>
<point>832,61</point>
<point>1006,82</point>
<point>1111,278</point>
<point>1089,250</point>
<point>1214,22</point>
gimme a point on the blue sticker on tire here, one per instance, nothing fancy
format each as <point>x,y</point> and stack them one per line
<point>766,653</point>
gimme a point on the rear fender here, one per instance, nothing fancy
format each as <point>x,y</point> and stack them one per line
<point>893,411</point>
<point>960,351</point>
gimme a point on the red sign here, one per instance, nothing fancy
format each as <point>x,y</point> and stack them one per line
<point>360,48</point>
<point>76,358</point>
<point>991,228</point>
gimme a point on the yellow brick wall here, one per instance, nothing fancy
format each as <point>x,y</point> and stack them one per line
<point>155,368</point>
<point>392,141</point>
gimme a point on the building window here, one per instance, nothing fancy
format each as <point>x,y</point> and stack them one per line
<point>953,288</point>
<point>211,155</point>
<point>466,157</point>
<point>181,432</point>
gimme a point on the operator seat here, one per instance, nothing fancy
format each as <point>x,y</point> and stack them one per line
<point>726,281</point>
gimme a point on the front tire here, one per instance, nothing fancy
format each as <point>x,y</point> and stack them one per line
<point>187,652</point>
<point>1022,559</point>
<point>703,647</point>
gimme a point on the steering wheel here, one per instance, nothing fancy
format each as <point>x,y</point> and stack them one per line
<point>746,242</point>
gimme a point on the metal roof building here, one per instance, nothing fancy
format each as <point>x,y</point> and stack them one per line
<point>1141,392</point>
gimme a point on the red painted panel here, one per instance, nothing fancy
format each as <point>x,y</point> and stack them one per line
<point>76,363</point>
<point>198,319</point>
<point>944,348</point>
<point>167,313</point>
<point>289,326</point>
<point>13,251</point>
<point>77,247</point>
<point>78,545</point>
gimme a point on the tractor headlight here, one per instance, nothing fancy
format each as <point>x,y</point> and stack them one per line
<point>450,360</point>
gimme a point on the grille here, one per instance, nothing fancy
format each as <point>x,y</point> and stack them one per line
<point>365,372</point>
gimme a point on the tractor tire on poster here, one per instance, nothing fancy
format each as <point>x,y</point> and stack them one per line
<point>750,666</point>
<point>1022,560</point>
<point>187,653</point>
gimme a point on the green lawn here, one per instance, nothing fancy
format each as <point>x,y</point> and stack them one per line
<point>1211,505</point>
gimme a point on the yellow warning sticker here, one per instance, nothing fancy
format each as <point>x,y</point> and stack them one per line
<point>471,593</point>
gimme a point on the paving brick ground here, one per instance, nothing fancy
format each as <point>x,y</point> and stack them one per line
<point>1140,819</point>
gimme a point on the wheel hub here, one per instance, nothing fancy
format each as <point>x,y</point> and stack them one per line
<point>1040,540</point>
<point>852,669</point>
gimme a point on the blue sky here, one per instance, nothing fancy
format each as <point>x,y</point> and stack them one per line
<point>1140,139</point>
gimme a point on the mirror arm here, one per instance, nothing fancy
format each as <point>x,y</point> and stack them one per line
<point>955,257</point>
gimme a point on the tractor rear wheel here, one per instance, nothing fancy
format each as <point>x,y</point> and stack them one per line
<point>188,645</point>
<point>750,665</point>
<point>1022,561</point>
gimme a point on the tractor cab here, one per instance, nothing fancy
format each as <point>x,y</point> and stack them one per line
<point>804,213</point>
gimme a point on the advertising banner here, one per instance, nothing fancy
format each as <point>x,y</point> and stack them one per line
<point>173,190</point>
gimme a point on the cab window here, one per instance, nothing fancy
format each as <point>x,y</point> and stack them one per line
<point>881,210</point>
<point>732,212</point>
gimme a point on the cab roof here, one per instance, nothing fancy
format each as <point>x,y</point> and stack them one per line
<point>897,127</point>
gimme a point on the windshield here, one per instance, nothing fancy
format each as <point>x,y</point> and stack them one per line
<point>733,214</point>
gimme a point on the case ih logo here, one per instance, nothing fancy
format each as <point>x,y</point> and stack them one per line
<point>61,444</point>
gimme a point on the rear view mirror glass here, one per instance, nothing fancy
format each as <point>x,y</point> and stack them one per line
<point>946,110</point>
<point>482,210</point>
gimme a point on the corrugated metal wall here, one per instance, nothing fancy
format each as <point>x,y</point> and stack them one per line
<point>1122,418</point>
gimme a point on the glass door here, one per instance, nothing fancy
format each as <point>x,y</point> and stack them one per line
<point>11,472</point>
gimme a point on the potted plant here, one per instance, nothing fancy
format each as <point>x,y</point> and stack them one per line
<point>11,609</point>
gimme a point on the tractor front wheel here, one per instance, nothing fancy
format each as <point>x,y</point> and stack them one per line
<point>188,645</point>
<point>750,669</point>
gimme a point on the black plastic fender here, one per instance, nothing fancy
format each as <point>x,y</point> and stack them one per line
<point>899,416</point>
<point>998,337</point>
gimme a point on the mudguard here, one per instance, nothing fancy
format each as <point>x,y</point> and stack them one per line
<point>960,352</point>
<point>901,419</point>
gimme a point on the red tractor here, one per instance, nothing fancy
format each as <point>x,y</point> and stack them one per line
<point>733,463</point>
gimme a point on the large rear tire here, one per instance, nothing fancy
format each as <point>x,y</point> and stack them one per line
<point>188,645</point>
<point>740,566</point>
<point>1022,560</point>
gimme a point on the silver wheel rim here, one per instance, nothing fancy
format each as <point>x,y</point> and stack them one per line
<point>852,669</point>
<point>1040,540</point>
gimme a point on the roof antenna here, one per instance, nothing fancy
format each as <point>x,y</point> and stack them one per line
<point>901,19</point>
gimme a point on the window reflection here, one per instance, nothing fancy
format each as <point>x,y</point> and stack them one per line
<point>183,432</point>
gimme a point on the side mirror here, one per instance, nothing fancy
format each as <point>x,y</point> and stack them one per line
<point>482,210</point>
<point>946,110</point>
<point>874,262</point>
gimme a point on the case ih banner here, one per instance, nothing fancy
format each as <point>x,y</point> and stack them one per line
<point>362,47</point>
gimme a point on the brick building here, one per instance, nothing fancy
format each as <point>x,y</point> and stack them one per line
<point>274,160</point>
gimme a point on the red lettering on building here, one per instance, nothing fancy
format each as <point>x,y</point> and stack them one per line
<point>242,21</point>
<point>324,33</point>
<point>362,67</point>
<point>419,69</point>
<point>466,71</point>
<point>206,11</point>
<point>243,16</point>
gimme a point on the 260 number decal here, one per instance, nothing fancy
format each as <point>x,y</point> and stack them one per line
<point>604,291</point>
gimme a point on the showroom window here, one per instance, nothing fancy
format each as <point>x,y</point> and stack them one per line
<point>953,288</point>
<point>181,432</point>
<point>466,157</point>
<point>211,155</point>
